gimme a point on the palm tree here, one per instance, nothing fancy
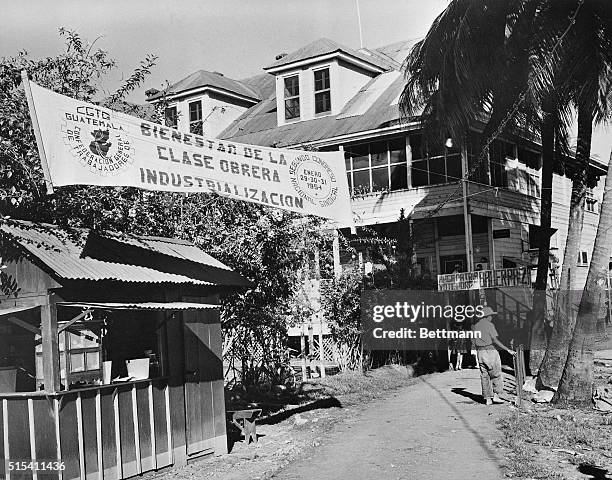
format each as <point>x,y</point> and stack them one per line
<point>577,378</point>
<point>586,65</point>
<point>493,57</point>
<point>478,57</point>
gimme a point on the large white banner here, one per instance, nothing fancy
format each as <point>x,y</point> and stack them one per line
<point>85,144</point>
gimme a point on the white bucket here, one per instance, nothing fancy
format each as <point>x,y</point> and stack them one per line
<point>8,379</point>
<point>107,367</point>
<point>138,368</point>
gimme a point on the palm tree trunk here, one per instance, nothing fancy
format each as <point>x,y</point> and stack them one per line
<point>564,322</point>
<point>537,343</point>
<point>577,379</point>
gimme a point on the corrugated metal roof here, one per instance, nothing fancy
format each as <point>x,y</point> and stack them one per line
<point>203,78</point>
<point>259,126</point>
<point>264,84</point>
<point>371,92</point>
<point>169,246</point>
<point>7,310</point>
<point>371,108</point>
<point>63,252</point>
<point>325,46</point>
<point>141,306</point>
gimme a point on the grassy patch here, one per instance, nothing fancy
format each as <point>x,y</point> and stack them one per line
<point>364,385</point>
<point>549,443</point>
<point>346,387</point>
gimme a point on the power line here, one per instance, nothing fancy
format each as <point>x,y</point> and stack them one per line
<point>506,119</point>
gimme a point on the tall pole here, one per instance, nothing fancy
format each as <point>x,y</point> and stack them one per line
<point>469,250</point>
<point>359,21</point>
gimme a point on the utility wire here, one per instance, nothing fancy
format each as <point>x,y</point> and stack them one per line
<point>504,122</point>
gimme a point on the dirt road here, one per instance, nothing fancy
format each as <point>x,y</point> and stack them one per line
<point>436,429</point>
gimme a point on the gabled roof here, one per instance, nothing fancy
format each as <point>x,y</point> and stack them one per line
<point>81,254</point>
<point>203,79</point>
<point>374,106</point>
<point>325,46</point>
<point>370,109</point>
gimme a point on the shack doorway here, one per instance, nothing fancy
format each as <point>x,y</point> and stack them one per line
<point>202,370</point>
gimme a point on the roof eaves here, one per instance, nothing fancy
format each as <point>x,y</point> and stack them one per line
<point>347,56</point>
<point>171,96</point>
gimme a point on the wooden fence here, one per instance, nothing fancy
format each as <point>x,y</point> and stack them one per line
<point>110,431</point>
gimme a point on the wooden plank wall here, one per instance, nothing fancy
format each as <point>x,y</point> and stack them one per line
<point>105,433</point>
<point>385,207</point>
<point>511,246</point>
<point>204,328</point>
<point>424,234</point>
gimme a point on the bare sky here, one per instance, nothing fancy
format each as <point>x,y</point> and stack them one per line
<point>235,37</point>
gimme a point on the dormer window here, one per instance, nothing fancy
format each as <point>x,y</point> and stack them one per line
<point>171,115</point>
<point>195,117</point>
<point>292,97</point>
<point>322,91</point>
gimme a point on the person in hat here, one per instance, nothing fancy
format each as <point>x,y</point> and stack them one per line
<point>486,344</point>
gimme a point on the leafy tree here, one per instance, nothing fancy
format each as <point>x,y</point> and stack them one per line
<point>267,246</point>
<point>341,305</point>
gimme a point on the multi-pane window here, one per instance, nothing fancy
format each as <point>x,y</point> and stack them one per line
<point>525,173</point>
<point>591,201</point>
<point>322,91</point>
<point>499,151</point>
<point>583,259</point>
<point>171,117</point>
<point>292,97</point>
<point>509,167</point>
<point>477,160</point>
<point>79,354</point>
<point>195,118</point>
<point>431,165</point>
<point>378,166</point>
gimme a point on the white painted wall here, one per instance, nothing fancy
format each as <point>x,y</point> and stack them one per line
<point>218,112</point>
<point>345,81</point>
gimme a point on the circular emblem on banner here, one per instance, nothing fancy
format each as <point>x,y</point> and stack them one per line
<point>102,147</point>
<point>313,180</point>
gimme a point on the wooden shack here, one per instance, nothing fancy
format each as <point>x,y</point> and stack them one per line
<point>110,351</point>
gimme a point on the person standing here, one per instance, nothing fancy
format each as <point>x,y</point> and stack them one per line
<point>488,357</point>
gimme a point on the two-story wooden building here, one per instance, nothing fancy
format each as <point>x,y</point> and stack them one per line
<point>332,97</point>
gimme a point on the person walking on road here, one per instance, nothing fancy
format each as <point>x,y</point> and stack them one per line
<point>488,357</point>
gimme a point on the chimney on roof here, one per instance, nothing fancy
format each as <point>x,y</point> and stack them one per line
<point>218,73</point>
<point>151,91</point>
<point>281,55</point>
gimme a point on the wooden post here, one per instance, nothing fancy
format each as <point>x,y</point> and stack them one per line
<point>321,347</point>
<point>336,251</point>
<point>609,285</point>
<point>437,247</point>
<point>408,162</point>
<point>303,352</point>
<point>491,243</point>
<point>469,250</point>
<point>353,228</point>
<point>310,337</point>
<point>41,149</point>
<point>50,348</point>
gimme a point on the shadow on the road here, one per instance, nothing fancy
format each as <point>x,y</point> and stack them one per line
<point>464,393</point>
<point>480,439</point>
<point>596,473</point>
<point>330,402</point>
